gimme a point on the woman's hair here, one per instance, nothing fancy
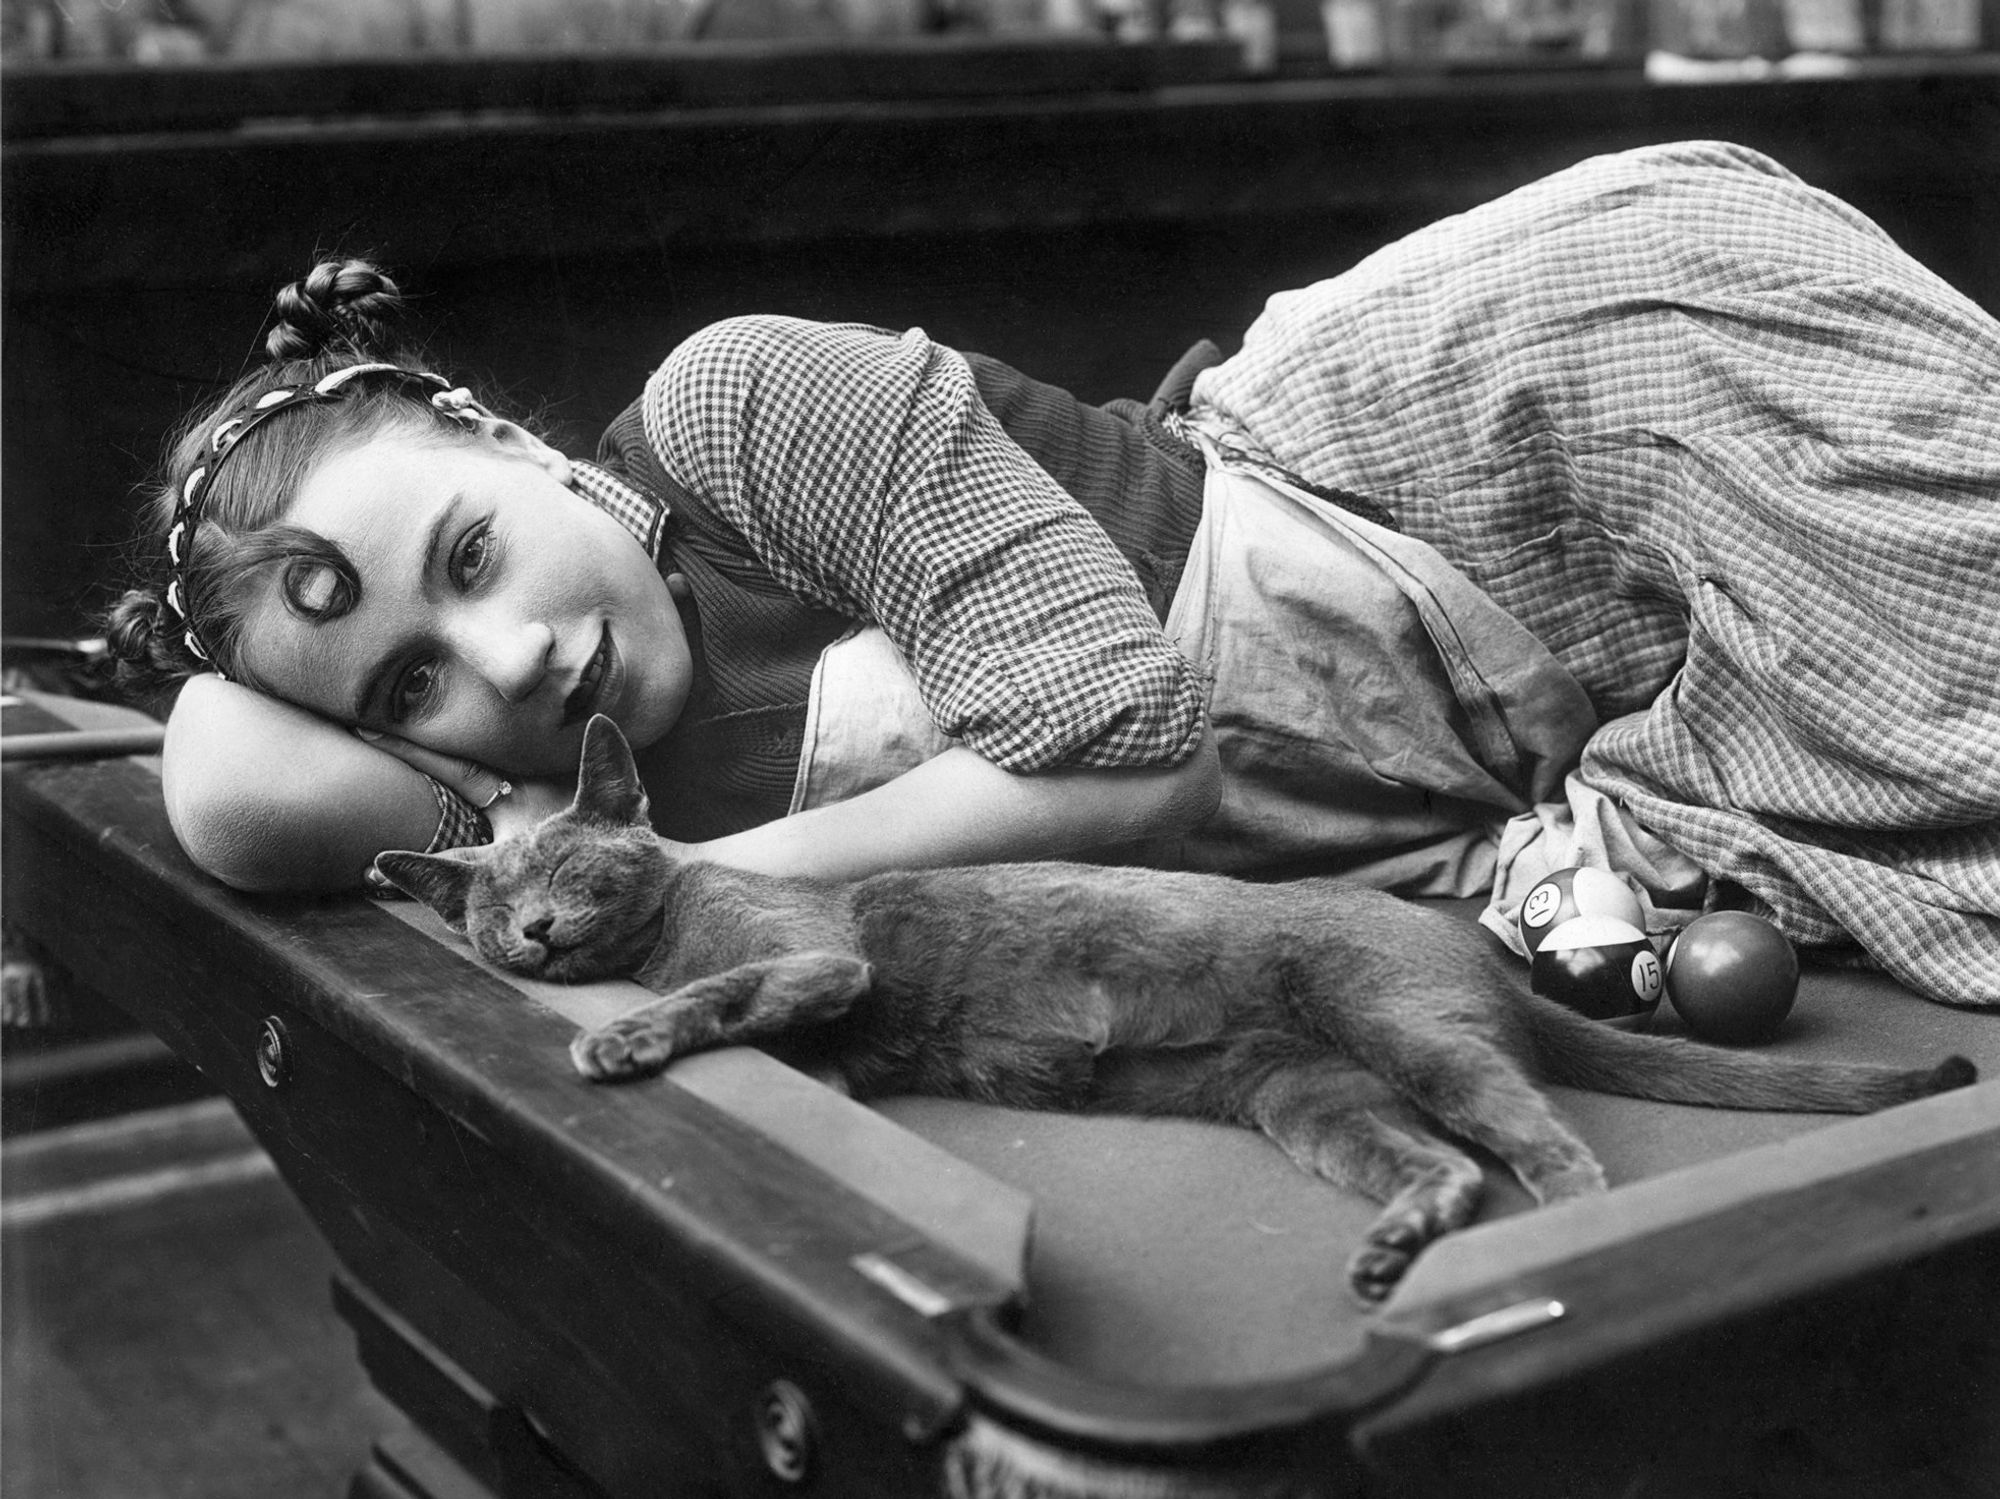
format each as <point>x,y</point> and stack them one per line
<point>342,313</point>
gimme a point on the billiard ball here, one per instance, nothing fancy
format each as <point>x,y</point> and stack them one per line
<point>1577,891</point>
<point>1601,967</point>
<point>1732,977</point>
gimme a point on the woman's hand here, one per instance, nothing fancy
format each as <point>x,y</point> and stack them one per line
<point>510,805</point>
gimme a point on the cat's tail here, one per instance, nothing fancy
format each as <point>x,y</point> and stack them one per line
<point>1587,1053</point>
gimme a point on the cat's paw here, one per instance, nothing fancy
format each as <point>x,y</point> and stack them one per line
<point>1374,1270</point>
<point>1393,1241</point>
<point>618,1052</point>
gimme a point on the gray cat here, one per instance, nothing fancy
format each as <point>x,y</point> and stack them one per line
<point>1331,1017</point>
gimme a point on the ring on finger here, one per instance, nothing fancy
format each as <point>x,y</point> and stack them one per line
<point>506,788</point>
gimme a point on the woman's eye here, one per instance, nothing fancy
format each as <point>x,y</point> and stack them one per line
<point>474,553</point>
<point>412,690</point>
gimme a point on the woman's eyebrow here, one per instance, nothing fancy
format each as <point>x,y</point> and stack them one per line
<point>429,571</point>
<point>436,549</point>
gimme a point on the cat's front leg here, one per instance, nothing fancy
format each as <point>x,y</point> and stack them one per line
<point>744,1003</point>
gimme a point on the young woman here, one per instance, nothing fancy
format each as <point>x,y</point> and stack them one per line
<point>1668,463</point>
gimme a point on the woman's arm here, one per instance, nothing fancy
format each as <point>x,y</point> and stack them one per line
<point>266,796</point>
<point>962,809</point>
<point>863,469</point>
<point>865,472</point>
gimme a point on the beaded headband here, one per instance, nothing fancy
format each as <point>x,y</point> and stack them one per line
<point>221,443</point>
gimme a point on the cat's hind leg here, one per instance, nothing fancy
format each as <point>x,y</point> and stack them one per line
<point>1328,1118</point>
<point>1477,1092</point>
<point>744,1003</point>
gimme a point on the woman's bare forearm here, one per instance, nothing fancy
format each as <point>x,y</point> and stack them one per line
<point>962,809</point>
<point>265,796</point>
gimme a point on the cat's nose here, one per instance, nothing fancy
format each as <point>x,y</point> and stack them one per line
<point>538,930</point>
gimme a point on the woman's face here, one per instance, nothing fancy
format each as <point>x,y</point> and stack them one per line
<point>499,609</point>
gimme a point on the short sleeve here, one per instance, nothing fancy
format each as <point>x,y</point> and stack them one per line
<point>862,468</point>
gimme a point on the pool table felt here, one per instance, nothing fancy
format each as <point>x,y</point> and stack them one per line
<point>1174,1252</point>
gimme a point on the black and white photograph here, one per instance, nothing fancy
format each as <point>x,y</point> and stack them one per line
<point>1000,749</point>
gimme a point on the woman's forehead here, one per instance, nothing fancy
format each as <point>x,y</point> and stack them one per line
<point>374,480</point>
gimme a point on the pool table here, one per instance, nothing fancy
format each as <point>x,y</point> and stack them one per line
<point>730,1280</point>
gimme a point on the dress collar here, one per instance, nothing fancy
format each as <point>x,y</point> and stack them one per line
<point>634,509</point>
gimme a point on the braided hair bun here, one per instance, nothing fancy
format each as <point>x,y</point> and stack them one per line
<point>142,642</point>
<point>339,306</point>
<point>340,314</point>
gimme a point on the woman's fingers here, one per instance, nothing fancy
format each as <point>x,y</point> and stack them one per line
<point>474,782</point>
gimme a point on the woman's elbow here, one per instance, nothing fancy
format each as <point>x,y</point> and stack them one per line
<point>237,836</point>
<point>254,797</point>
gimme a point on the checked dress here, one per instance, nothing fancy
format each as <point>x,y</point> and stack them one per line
<point>1735,459</point>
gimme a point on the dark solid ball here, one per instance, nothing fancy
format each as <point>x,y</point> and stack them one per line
<point>1565,894</point>
<point>1732,977</point>
<point>1601,967</point>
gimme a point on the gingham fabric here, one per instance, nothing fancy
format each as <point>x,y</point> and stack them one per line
<point>864,471</point>
<point>638,512</point>
<point>460,824</point>
<point>1736,459</point>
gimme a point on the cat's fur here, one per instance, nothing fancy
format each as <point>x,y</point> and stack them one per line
<point>1331,1017</point>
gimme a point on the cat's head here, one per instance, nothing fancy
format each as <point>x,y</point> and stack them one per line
<point>576,897</point>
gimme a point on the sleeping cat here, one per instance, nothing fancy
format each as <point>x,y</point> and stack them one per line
<point>1331,1017</point>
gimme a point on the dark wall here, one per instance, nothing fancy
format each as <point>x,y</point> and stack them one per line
<point>1088,240</point>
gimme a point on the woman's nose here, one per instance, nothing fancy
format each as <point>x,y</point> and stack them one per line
<point>513,656</point>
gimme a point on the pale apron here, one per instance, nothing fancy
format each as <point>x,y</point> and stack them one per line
<point>1377,715</point>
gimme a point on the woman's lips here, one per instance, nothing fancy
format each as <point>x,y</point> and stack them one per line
<point>590,690</point>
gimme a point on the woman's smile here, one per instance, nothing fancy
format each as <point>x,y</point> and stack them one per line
<point>497,609</point>
<point>598,687</point>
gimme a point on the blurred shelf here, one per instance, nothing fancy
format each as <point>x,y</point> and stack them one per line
<point>51,1082</point>
<point>235,206</point>
<point>108,98</point>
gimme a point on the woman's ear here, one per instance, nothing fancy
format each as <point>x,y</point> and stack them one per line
<point>516,439</point>
<point>510,437</point>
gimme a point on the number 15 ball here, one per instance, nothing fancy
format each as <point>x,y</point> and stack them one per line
<point>1600,967</point>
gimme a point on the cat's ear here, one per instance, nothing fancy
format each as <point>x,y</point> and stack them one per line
<point>439,881</point>
<point>607,783</point>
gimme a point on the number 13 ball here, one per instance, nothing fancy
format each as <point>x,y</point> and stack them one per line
<point>1567,893</point>
<point>1733,977</point>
